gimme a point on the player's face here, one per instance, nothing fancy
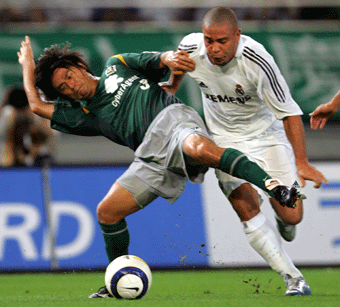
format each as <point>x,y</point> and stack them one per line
<point>221,42</point>
<point>74,83</point>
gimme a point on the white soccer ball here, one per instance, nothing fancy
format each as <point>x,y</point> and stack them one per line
<point>128,277</point>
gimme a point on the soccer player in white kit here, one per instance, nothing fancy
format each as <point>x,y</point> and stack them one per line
<point>248,106</point>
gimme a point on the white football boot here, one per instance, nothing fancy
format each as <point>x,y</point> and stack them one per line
<point>297,286</point>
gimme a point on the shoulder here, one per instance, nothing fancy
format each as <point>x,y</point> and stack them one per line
<point>254,57</point>
<point>253,50</point>
<point>191,43</point>
<point>117,59</point>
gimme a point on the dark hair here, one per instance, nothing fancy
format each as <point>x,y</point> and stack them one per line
<point>55,57</point>
<point>219,16</point>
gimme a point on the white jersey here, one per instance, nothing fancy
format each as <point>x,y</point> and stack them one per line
<point>246,96</point>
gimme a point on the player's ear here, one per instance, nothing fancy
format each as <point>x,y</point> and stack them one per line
<point>238,34</point>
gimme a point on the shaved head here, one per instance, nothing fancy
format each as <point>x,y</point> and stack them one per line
<point>221,35</point>
<point>220,16</point>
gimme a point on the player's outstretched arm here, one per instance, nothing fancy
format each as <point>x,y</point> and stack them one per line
<point>324,111</point>
<point>26,59</point>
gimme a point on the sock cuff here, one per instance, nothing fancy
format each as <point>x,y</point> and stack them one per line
<point>255,223</point>
<point>229,159</point>
<point>113,228</point>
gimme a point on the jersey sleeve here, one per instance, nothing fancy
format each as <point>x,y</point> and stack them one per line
<point>146,63</point>
<point>74,120</point>
<point>191,43</point>
<point>269,82</point>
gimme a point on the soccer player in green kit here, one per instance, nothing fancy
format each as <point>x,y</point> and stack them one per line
<point>128,106</point>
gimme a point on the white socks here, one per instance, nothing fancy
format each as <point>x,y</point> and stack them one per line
<point>263,237</point>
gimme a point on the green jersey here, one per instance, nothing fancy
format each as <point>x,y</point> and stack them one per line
<point>126,101</point>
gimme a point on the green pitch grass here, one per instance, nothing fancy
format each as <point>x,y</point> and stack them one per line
<point>207,288</point>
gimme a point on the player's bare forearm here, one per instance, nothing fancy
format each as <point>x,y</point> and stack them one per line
<point>295,132</point>
<point>172,84</point>
<point>26,59</point>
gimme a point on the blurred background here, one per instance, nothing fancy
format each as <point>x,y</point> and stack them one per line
<point>302,35</point>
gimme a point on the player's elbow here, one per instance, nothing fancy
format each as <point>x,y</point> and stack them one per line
<point>39,109</point>
<point>35,108</point>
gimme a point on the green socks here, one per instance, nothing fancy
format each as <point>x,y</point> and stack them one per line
<point>117,239</point>
<point>238,165</point>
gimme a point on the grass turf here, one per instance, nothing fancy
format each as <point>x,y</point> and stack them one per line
<point>250,288</point>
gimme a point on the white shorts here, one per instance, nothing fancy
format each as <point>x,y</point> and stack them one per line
<point>271,150</point>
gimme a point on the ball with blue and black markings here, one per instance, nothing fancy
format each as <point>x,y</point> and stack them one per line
<point>128,277</point>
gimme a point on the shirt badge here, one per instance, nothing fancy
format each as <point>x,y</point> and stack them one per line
<point>110,70</point>
<point>239,90</point>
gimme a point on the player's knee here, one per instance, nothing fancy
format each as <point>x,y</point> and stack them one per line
<point>106,215</point>
<point>292,216</point>
<point>202,149</point>
<point>291,219</point>
<point>191,146</point>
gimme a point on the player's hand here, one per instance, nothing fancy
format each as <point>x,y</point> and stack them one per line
<point>178,62</point>
<point>321,114</point>
<point>308,172</point>
<point>25,55</point>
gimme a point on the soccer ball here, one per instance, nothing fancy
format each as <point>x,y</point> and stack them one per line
<point>128,277</point>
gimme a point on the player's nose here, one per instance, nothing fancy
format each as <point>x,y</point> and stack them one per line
<point>215,48</point>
